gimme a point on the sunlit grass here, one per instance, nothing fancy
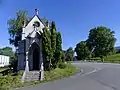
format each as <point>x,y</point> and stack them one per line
<point>109,59</point>
<point>9,82</point>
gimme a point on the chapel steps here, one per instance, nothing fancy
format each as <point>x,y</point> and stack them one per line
<point>32,76</point>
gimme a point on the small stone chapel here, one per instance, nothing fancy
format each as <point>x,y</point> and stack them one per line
<point>30,49</point>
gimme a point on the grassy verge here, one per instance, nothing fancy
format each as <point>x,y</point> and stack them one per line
<point>9,82</point>
<point>110,59</point>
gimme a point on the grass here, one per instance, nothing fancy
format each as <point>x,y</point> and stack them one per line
<point>9,82</point>
<point>3,68</point>
<point>61,73</point>
<point>110,59</point>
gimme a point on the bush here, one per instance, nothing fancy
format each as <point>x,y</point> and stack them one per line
<point>62,65</point>
<point>4,87</point>
<point>14,62</point>
<point>69,54</point>
<point>10,81</point>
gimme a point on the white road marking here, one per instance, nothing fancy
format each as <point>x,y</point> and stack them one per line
<point>95,70</point>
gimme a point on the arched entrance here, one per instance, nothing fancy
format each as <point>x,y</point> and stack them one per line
<point>36,59</point>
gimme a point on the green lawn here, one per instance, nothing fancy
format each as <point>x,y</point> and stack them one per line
<point>9,82</point>
<point>110,59</point>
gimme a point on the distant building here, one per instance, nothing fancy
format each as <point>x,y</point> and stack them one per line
<point>4,60</point>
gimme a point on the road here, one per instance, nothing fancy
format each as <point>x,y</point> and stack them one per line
<point>94,76</point>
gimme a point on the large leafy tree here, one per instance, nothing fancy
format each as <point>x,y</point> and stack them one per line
<point>46,47</point>
<point>58,52</point>
<point>69,54</point>
<point>15,27</point>
<point>82,50</point>
<point>101,41</point>
<point>15,31</point>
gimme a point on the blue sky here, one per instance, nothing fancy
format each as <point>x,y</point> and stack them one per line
<point>74,18</point>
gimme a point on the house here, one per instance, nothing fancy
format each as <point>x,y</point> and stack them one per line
<point>4,60</point>
<point>30,49</point>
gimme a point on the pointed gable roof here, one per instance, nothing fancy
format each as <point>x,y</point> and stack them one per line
<point>32,18</point>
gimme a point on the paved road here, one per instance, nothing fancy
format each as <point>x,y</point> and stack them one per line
<point>94,76</point>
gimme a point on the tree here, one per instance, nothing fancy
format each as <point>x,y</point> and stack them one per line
<point>63,56</point>
<point>44,20</point>
<point>15,31</point>
<point>69,55</point>
<point>7,51</point>
<point>101,41</point>
<point>82,50</point>
<point>46,47</point>
<point>15,27</point>
<point>58,52</point>
<point>53,42</point>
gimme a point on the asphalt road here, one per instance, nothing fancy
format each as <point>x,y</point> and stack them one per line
<point>94,76</point>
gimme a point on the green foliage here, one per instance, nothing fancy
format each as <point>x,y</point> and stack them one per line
<point>44,20</point>
<point>46,44</point>
<point>60,73</point>
<point>3,68</point>
<point>14,62</point>
<point>52,47</point>
<point>115,58</point>
<point>101,41</point>
<point>69,54</point>
<point>117,51</point>
<point>82,50</point>
<point>53,43</point>
<point>63,56</point>
<point>9,82</point>
<point>53,37</point>
<point>62,65</point>
<point>58,52</point>
<point>15,27</point>
<point>7,51</point>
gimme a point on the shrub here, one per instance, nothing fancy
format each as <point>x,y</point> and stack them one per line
<point>4,87</point>
<point>62,65</point>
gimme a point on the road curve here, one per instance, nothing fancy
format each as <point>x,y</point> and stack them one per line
<point>94,76</point>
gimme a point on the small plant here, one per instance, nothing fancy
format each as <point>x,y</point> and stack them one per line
<point>62,65</point>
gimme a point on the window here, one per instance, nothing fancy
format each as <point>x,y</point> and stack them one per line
<point>36,24</point>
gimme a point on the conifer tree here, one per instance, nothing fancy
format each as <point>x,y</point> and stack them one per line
<point>46,45</point>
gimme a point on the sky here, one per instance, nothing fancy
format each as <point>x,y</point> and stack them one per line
<point>74,18</point>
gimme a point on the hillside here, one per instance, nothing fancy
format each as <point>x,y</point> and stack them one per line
<point>110,59</point>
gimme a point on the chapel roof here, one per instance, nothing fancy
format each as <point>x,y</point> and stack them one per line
<point>36,14</point>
